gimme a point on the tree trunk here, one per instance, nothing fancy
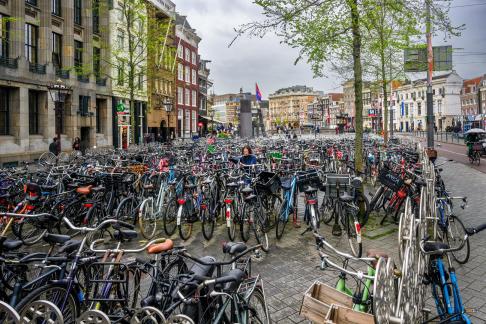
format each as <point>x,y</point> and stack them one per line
<point>358,86</point>
<point>385,96</point>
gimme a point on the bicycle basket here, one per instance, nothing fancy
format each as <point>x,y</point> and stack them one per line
<point>308,178</point>
<point>390,179</point>
<point>336,184</point>
<point>268,182</point>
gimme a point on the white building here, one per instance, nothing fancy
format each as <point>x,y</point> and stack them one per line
<point>410,106</point>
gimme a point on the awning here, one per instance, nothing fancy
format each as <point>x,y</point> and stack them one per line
<point>213,120</point>
<point>478,118</point>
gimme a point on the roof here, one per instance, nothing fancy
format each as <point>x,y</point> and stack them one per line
<point>336,96</point>
<point>471,82</point>
<point>181,19</point>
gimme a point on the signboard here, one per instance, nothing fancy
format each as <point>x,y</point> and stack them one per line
<point>121,109</point>
<point>416,59</point>
<point>372,112</point>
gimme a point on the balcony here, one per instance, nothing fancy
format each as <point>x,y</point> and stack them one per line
<point>83,78</point>
<point>11,63</point>
<point>37,68</point>
<point>63,74</point>
<point>101,82</point>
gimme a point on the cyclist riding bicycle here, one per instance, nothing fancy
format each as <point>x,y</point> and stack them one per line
<point>471,139</point>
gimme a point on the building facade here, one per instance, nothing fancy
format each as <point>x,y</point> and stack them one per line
<point>410,106</point>
<point>187,77</point>
<point>42,42</point>
<point>161,112</point>
<point>288,106</point>
<point>205,85</point>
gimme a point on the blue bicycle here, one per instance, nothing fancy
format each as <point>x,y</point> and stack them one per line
<point>288,206</point>
<point>445,289</point>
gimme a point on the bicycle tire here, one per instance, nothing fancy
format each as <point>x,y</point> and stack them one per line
<point>146,219</point>
<point>282,220</point>
<point>126,210</point>
<point>327,210</point>
<point>169,217</point>
<point>355,245</point>
<point>245,223</point>
<point>185,228</point>
<point>363,215</point>
<point>69,313</point>
<point>258,313</point>
<point>207,225</point>
<point>455,222</point>
<point>230,222</point>
<point>28,238</point>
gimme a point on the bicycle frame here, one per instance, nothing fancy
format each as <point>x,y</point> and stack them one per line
<point>363,306</point>
<point>452,312</point>
<point>289,197</point>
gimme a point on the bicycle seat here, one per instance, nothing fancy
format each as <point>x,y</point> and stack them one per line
<point>435,247</point>
<point>232,279</point>
<point>310,189</point>
<point>70,246</point>
<point>84,190</point>
<point>12,244</point>
<point>232,185</point>
<point>233,248</point>
<point>246,190</point>
<point>187,282</point>
<point>160,247</point>
<point>56,238</point>
<point>286,184</point>
<point>250,197</point>
<point>124,234</point>
<point>345,197</point>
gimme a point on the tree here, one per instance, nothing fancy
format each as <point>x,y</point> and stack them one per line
<point>327,31</point>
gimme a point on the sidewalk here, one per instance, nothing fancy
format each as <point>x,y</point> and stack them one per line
<point>441,137</point>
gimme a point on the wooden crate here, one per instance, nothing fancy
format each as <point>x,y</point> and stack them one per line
<point>324,304</point>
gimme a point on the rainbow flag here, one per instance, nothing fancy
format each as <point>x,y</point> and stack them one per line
<point>258,93</point>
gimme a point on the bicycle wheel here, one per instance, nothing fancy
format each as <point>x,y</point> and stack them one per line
<point>326,210</point>
<point>55,293</point>
<point>353,232</point>
<point>230,221</point>
<point>455,236</point>
<point>146,219</point>
<point>257,308</point>
<point>258,226</point>
<point>207,224</point>
<point>126,210</point>
<point>283,218</point>
<point>478,158</point>
<point>29,231</point>
<point>185,227</point>
<point>314,218</point>
<point>245,222</point>
<point>169,217</point>
<point>364,210</point>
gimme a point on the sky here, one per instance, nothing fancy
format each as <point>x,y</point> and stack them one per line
<point>271,64</point>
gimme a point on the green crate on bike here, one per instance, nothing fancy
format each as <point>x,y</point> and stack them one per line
<point>268,182</point>
<point>337,184</point>
<point>276,155</point>
<point>309,178</point>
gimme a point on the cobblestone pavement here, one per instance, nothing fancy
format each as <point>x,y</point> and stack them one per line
<point>291,266</point>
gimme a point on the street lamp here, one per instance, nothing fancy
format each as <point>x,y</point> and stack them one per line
<point>168,106</point>
<point>59,93</point>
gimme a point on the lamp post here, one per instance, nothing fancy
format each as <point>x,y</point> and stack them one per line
<point>59,93</point>
<point>168,105</point>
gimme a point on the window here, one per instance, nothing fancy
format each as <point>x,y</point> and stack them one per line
<point>78,55</point>
<point>57,50</point>
<point>4,112</point>
<point>33,112</point>
<point>187,125</point>
<point>140,81</point>
<point>194,98</point>
<point>187,97</point>
<point>194,77</point>
<point>180,96</point>
<point>120,38</point>
<point>96,16</point>
<point>194,123</point>
<point>4,35</point>
<point>194,58</point>
<point>56,7</point>
<point>121,15</point>
<point>121,73</point>
<point>188,74</point>
<point>188,55</point>
<point>32,2</point>
<point>406,109</point>
<point>97,62</point>
<point>180,72</point>
<point>419,109</point>
<point>78,12</point>
<point>180,50</point>
<point>84,105</point>
<point>31,43</point>
<point>433,92</point>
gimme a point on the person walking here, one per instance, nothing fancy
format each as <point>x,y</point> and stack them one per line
<point>54,147</point>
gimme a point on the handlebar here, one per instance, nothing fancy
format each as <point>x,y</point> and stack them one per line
<point>442,251</point>
<point>359,274</point>
<point>474,230</point>
<point>118,250</point>
<point>322,241</point>
<point>187,255</point>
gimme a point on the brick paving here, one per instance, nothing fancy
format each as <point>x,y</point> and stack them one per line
<point>291,266</point>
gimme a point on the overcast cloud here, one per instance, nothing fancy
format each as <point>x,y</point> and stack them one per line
<point>270,63</point>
